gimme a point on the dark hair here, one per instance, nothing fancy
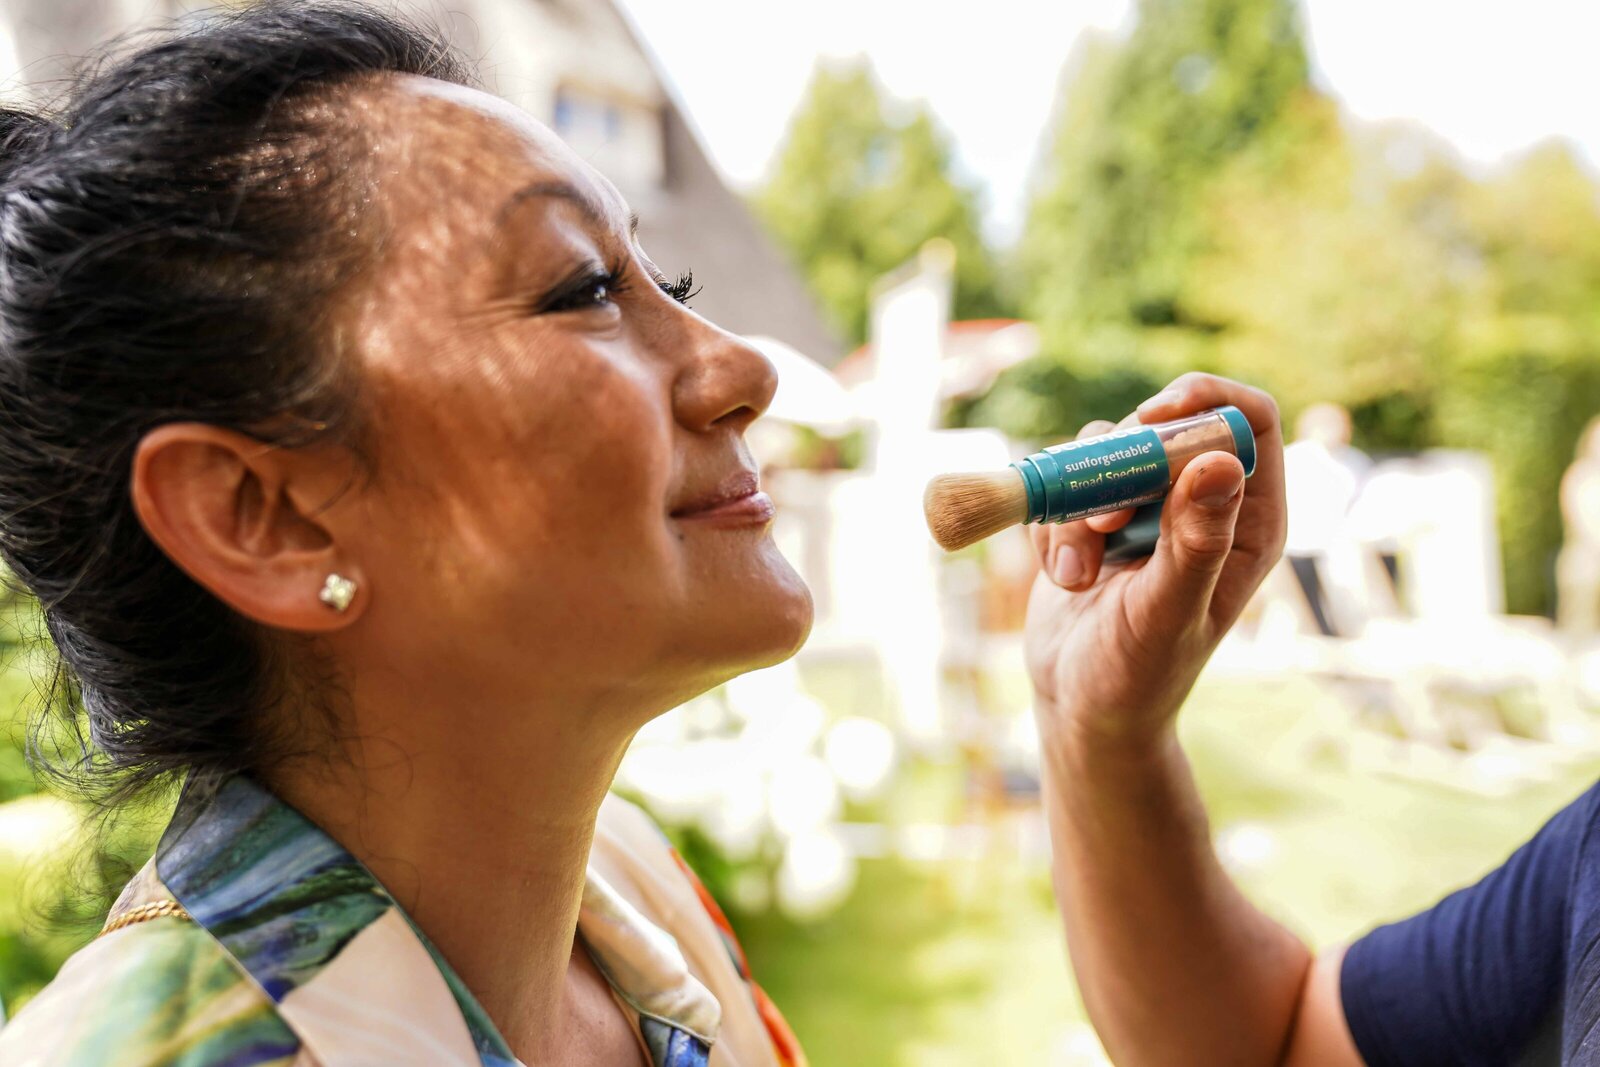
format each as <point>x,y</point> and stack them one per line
<point>167,239</point>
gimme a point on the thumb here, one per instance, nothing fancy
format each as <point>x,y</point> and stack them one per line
<point>1196,537</point>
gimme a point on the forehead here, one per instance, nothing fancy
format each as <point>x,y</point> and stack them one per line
<point>466,148</point>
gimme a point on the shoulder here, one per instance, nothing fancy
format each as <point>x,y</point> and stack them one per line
<point>1569,836</point>
<point>1484,968</point>
<point>156,992</point>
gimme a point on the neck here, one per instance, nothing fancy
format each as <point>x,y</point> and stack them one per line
<point>485,844</point>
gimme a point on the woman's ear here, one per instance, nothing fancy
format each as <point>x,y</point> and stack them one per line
<point>234,513</point>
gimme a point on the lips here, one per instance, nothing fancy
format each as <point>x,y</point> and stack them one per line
<point>737,501</point>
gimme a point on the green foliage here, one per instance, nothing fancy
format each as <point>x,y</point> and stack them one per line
<point>1394,422</point>
<point>19,673</point>
<point>1526,407</point>
<point>1537,227</point>
<point>856,192</point>
<point>1326,289</point>
<point>1155,144</point>
<point>1118,218</point>
<point>61,863</point>
<point>1201,206</point>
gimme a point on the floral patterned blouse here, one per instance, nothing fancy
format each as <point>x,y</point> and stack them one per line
<point>252,938</point>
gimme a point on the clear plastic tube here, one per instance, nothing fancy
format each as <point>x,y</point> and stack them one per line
<point>1128,467</point>
<point>1184,439</point>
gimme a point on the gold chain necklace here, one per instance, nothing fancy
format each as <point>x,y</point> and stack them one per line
<point>156,909</point>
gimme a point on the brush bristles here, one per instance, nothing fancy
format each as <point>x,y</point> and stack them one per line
<point>963,509</point>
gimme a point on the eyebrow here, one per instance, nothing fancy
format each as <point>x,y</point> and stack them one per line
<point>584,201</point>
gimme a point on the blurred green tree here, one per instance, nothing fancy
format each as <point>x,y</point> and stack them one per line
<point>1199,204</point>
<point>1526,379</point>
<point>18,620</point>
<point>1145,130</point>
<point>61,861</point>
<point>1328,287</point>
<point>857,189</point>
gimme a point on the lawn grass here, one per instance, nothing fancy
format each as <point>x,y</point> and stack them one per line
<point>962,962</point>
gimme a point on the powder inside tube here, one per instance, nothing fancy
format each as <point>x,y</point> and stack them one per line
<point>1194,437</point>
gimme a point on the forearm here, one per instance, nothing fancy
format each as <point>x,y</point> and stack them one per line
<point>1175,965</point>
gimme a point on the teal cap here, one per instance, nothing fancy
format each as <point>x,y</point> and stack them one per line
<point>1244,438</point>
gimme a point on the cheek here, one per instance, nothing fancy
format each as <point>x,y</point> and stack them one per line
<point>518,465</point>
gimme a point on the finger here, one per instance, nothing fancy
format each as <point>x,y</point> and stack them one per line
<point>1069,556</point>
<point>1073,553</point>
<point>1110,522</point>
<point>1263,517</point>
<point>1197,535</point>
<point>1070,553</point>
<point>1039,538</point>
<point>1041,534</point>
<point>1196,391</point>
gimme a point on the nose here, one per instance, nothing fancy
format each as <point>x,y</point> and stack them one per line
<point>726,383</point>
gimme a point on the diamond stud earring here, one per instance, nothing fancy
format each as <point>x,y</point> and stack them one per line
<point>337,592</point>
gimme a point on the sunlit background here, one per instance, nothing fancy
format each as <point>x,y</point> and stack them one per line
<point>961,231</point>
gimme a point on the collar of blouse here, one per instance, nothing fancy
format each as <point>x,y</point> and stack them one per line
<point>349,972</point>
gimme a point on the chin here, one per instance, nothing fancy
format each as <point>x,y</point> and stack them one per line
<point>747,618</point>
<point>789,622</point>
<point>774,625</point>
<point>771,624</point>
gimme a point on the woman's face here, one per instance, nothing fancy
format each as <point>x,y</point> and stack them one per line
<point>563,505</point>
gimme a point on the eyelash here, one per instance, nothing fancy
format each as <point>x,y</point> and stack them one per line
<point>614,281</point>
<point>682,289</point>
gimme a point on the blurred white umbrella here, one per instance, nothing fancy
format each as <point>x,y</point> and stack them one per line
<point>808,393</point>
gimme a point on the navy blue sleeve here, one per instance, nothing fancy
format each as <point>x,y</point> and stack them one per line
<point>1477,978</point>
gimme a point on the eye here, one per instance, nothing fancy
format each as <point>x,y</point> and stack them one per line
<point>594,290</point>
<point>591,288</point>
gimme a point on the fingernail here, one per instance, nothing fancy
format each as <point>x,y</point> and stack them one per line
<point>1068,566</point>
<point>1216,484</point>
<point>1161,399</point>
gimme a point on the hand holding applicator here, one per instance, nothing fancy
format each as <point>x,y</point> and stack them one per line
<point>1122,469</point>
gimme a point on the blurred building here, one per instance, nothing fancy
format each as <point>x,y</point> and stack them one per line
<point>577,65</point>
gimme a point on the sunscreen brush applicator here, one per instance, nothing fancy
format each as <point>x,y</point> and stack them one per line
<point>1121,469</point>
